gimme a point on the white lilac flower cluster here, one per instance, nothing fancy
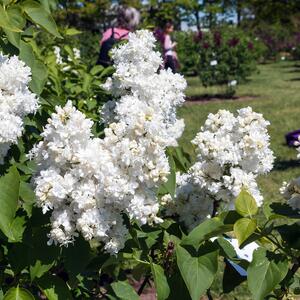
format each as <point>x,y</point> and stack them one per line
<point>89,183</point>
<point>231,152</point>
<point>16,100</point>
<point>291,192</point>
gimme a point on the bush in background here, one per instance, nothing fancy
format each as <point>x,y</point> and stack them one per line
<point>86,41</point>
<point>187,51</point>
<point>222,57</point>
<point>277,40</point>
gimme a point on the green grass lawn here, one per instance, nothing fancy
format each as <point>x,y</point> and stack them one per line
<point>276,94</point>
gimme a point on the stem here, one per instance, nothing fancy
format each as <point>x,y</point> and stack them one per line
<point>265,225</point>
<point>208,294</point>
<point>289,276</point>
<point>279,246</point>
<point>293,270</point>
<point>275,238</point>
<point>276,242</point>
<point>146,279</point>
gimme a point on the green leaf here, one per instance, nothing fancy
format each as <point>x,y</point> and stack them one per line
<point>96,69</point>
<point>18,257</point>
<point>16,229</point>
<point>204,231</point>
<point>39,269</point>
<point>5,2</point>
<point>39,77</point>
<point>264,272</point>
<point>124,290</point>
<point>46,5</point>
<point>282,210</point>
<point>16,17</point>
<point>226,249</point>
<point>181,158</point>
<point>13,37</point>
<point>37,14</point>
<point>160,281</point>
<point>72,31</point>
<point>8,21</point>
<point>69,50</point>
<point>150,238</point>
<point>77,256</point>
<point>243,228</point>
<point>42,257</point>
<point>54,288</point>
<point>198,272</point>
<point>178,289</point>
<point>245,204</point>
<point>210,228</point>
<point>290,235</point>
<point>38,69</point>
<point>33,253</point>
<point>28,197</point>
<point>9,195</point>
<point>17,293</point>
<point>86,84</point>
<point>107,72</point>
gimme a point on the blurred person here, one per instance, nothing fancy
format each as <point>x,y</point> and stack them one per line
<point>169,54</point>
<point>128,19</point>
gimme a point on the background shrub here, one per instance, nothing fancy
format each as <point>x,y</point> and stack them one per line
<point>226,57</point>
<point>187,51</point>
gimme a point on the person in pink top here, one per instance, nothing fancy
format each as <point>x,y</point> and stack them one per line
<point>119,33</point>
<point>168,47</point>
<point>127,20</point>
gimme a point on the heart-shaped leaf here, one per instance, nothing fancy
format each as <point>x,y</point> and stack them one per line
<point>245,204</point>
<point>198,271</point>
<point>264,272</point>
<point>243,228</point>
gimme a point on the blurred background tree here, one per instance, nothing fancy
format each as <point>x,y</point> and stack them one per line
<point>275,22</point>
<point>97,15</point>
<point>92,15</point>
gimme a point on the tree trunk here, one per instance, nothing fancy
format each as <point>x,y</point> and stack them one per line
<point>238,12</point>
<point>197,20</point>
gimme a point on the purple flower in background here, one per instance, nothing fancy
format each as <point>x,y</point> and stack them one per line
<point>199,36</point>
<point>297,38</point>
<point>205,45</point>
<point>233,42</point>
<point>290,45</point>
<point>217,38</point>
<point>250,46</point>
